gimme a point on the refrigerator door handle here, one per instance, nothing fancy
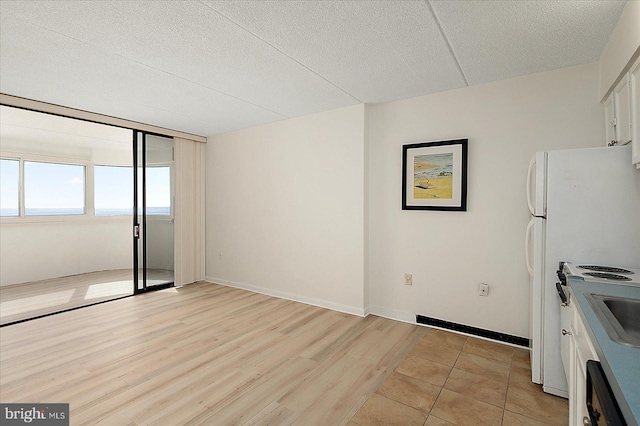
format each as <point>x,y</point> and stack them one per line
<point>562,295</point>
<point>527,241</point>
<point>532,167</point>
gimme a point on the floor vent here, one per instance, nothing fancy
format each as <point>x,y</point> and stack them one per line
<point>493,335</point>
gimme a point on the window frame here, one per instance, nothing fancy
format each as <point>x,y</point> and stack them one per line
<point>89,212</point>
<point>20,180</point>
<point>89,190</point>
<point>85,207</point>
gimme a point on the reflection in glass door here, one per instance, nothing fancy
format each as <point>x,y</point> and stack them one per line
<point>153,215</point>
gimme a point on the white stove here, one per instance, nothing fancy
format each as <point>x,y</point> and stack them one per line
<point>603,273</point>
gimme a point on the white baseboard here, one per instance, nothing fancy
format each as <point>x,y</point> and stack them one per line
<point>361,312</point>
<point>393,314</point>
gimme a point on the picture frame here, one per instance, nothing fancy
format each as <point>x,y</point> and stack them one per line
<point>434,175</point>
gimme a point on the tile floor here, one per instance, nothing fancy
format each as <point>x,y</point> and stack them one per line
<point>453,379</point>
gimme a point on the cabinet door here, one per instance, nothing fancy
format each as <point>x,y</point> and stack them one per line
<point>609,120</point>
<point>565,338</point>
<point>634,82</point>
<point>582,350</point>
<point>573,363</point>
<point>623,111</point>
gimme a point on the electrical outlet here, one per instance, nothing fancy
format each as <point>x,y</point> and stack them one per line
<point>483,289</point>
<point>408,279</point>
<point>220,255</point>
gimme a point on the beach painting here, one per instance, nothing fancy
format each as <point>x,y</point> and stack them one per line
<point>434,175</point>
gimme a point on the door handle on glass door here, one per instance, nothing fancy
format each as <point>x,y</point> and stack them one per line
<point>527,240</point>
<point>532,166</point>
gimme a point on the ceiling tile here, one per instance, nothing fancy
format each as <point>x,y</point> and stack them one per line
<point>190,40</point>
<point>496,40</point>
<point>67,72</point>
<point>376,51</point>
<point>210,66</point>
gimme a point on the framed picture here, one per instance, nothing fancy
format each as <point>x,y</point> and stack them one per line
<point>434,175</point>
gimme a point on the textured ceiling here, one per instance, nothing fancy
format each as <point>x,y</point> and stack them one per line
<point>21,126</point>
<point>207,67</point>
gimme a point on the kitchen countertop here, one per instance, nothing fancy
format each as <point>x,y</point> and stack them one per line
<point>620,363</point>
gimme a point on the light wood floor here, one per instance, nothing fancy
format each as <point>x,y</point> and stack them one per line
<point>202,354</point>
<point>32,299</point>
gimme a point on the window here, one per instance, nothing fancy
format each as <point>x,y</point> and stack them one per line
<point>9,188</point>
<point>158,190</point>
<point>53,189</point>
<point>113,190</point>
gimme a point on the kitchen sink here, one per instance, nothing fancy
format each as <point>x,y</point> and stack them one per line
<point>620,317</point>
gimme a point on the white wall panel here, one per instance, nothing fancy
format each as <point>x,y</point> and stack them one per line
<point>450,253</point>
<point>285,209</point>
<point>43,250</point>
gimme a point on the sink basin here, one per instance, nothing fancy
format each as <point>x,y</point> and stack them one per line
<point>620,317</point>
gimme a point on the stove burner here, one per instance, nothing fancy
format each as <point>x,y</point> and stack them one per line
<point>609,269</point>
<point>608,276</point>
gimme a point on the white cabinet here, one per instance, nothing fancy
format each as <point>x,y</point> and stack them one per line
<point>618,113</point>
<point>610,120</point>
<point>622,112</point>
<point>580,351</point>
<point>622,108</point>
<point>565,338</point>
<point>634,82</point>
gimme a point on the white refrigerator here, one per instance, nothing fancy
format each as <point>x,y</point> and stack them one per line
<point>585,207</point>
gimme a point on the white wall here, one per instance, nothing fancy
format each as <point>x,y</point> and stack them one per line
<point>285,209</point>
<point>449,253</point>
<point>287,202</point>
<point>38,251</point>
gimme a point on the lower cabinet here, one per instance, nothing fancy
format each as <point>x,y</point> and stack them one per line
<point>580,351</point>
<point>634,81</point>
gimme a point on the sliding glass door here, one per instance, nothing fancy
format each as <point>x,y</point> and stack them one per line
<point>70,190</point>
<point>66,207</point>
<point>153,211</point>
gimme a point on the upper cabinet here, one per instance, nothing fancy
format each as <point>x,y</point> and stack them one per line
<point>622,108</point>
<point>610,121</point>
<point>622,112</point>
<point>619,80</point>
<point>617,109</point>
